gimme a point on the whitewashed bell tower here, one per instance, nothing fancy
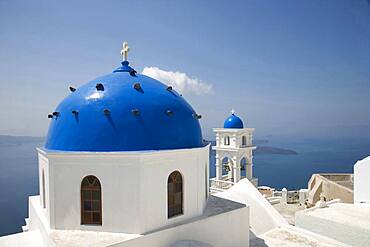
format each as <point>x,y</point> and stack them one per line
<point>234,151</point>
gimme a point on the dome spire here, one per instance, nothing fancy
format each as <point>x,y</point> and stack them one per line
<point>233,122</point>
<point>125,50</point>
<point>125,64</point>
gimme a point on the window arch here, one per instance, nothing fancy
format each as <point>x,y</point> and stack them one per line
<point>174,194</point>
<point>227,141</point>
<point>243,166</point>
<point>226,165</point>
<point>244,140</point>
<point>91,209</point>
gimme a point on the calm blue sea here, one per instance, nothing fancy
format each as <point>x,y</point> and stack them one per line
<point>19,175</point>
<point>314,156</point>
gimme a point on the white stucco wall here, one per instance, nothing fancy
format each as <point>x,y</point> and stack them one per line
<point>235,136</point>
<point>361,187</point>
<point>44,167</point>
<point>263,216</point>
<point>38,222</point>
<point>208,228</point>
<point>134,187</point>
<point>156,168</point>
<point>230,229</point>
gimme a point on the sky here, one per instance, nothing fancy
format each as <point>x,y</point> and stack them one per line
<point>289,68</point>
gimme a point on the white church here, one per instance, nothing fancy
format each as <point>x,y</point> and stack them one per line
<point>125,164</point>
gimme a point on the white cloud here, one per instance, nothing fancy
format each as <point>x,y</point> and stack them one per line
<point>179,81</point>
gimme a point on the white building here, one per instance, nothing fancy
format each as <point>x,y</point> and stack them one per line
<point>348,223</point>
<point>124,164</point>
<point>234,153</point>
<point>362,181</point>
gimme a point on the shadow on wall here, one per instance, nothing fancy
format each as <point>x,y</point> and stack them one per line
<point>256,241</point>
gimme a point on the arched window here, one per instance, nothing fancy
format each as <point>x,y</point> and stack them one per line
<point>43,189</point>
<point>227,140</point>
<point>174,194</point>
<point>243,167</point>
<point>91,213</point>
<point>244,140</point>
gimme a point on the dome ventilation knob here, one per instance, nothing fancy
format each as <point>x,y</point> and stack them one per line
<point>56,114</point>
<point>169,88</point>
<point>133,72</point>
<point>135,112</point>
<point>72,89</point>
<point>197,116</point>
<point>137,86</point>
<point>106,112</point>
<point>99,87</point>
<point>169,113</point>
<point>50,116</point>
<point>74,112</point>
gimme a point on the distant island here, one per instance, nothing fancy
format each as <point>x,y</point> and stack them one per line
<point>8,140</point>
<point>260,141</point>
<point>273,150</point>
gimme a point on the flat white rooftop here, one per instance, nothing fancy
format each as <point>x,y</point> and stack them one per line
<point>76,238</point>
<point>345,222</point>
<point>29,239</point>
<point>355,215</point>
<point>63,238</point>
<point>291,236</point>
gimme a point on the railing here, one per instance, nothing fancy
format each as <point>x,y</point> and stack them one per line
<point>217,185</point>
<point>248,145</point>
<point>220,185</point>
<point>277,193</point>
<point>287,197</point>
<point>230,179</point>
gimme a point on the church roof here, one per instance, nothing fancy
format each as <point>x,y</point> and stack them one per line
<point>233,122</point>
<point>123,111</point>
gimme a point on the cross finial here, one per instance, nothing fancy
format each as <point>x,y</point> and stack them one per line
<point>125,50</point>
<point>232,111</point>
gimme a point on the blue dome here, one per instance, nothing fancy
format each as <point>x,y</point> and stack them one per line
<point>233,122</point>
<point>123,111</point>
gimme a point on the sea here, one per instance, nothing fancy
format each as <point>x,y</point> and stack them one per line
<point>19,168</point>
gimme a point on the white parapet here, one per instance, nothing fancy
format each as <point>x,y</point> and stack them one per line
<point>284,196</point>
<point>362,180</point>
<point>263,216</point>
<point>303,195</point>
<point>25,228</point>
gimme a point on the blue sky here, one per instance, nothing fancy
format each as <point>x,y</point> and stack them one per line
<point>288,68</point>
